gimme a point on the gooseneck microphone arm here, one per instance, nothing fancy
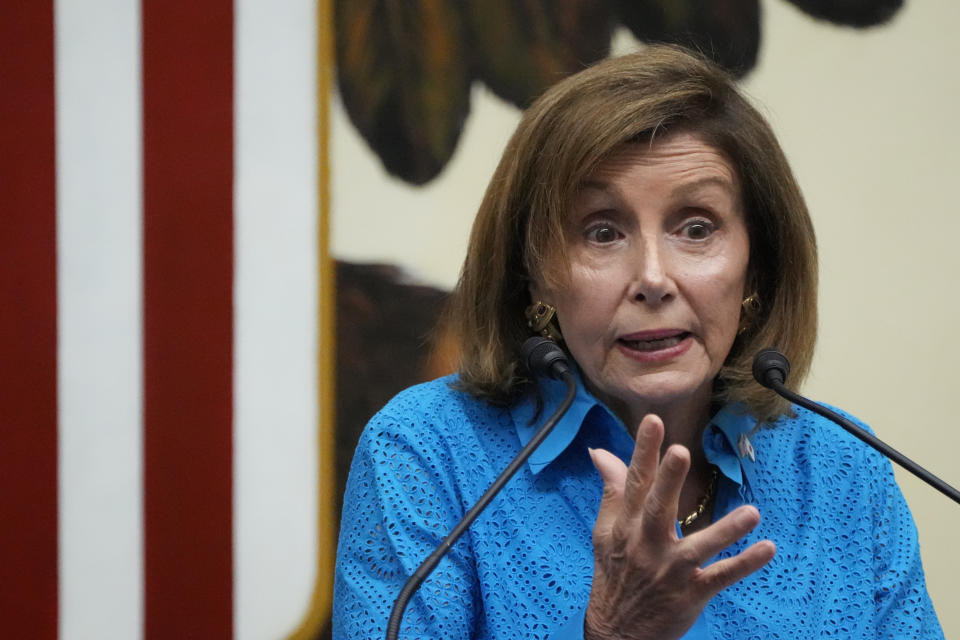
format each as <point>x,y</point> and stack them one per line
<point>543,357</point>
<point>770,369</point>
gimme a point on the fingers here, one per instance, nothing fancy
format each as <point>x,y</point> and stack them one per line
<point>650,487</point>
<point>643,464</point>
<point>636,548</point>
<point>724,573</point>
<point>705,544</point>
<point>721,534</point>
<point>614,474</point>
<point>660,508</point>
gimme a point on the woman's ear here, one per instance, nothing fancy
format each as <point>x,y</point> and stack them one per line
<point>540,290</point>
<point>536,291</point>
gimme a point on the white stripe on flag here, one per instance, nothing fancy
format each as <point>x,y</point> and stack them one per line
<point>275,383</point>
<point>99,208</point>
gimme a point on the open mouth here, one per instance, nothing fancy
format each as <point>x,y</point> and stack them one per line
<point>656,344</point>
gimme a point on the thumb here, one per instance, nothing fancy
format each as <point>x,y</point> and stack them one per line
<point>614,474</point>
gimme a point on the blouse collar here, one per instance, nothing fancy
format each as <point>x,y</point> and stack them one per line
<point>726,441</point>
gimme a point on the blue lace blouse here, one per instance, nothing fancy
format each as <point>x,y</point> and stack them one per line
<point>847,562</point>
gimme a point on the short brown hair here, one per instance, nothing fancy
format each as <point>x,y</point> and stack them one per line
<point>518,234</point>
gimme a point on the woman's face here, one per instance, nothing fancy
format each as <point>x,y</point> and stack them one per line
<point>658,250</point>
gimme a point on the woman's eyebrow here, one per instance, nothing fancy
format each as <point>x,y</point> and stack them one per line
<point>593,183</point>
<point>721,181</point>
<point>594,192</point>
<point>724,182</point>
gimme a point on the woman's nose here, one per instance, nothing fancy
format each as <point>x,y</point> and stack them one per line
<point>652,282</point>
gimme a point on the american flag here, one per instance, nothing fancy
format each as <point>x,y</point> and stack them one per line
<point>163,278</point>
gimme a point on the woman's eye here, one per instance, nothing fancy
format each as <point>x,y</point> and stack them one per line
<point>697,230</point>
<point>602,233</point>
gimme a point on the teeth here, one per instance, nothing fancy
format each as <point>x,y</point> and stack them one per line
<point>653,345</point>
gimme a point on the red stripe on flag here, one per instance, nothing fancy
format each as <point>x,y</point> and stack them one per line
<point>188,317</point>
<point>28,323</point>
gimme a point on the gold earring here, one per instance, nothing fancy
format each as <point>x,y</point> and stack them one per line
<point>749,308</point>
<point>541,318</point>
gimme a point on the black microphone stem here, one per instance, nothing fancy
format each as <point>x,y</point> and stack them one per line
<point>428,565</point>
<point>869,439</point>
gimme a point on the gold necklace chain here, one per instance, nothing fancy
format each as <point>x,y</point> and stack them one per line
<point>704,501</point>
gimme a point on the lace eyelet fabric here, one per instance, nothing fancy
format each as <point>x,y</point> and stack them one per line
<point>847,562</point>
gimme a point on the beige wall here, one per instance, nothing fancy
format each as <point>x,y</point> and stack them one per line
<point>867,119</point>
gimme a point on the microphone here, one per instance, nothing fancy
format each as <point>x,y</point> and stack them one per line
<point>770,369</point>
<point>543,358</point>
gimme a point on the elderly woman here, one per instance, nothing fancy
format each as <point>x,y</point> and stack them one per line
<point>644,215</point>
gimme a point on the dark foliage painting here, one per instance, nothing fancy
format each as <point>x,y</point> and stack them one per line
<point>405,67</point>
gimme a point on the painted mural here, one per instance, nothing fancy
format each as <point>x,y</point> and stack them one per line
<point>404,69</point>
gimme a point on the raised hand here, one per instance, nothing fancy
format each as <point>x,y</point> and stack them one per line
<point>647,582</point>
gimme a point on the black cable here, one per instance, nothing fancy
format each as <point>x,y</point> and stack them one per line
<point>428,565</point>
<point>871,440</point>
<point>771,368</point>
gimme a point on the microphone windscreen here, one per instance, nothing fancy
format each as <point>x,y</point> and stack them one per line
<point>769,366</point>
<point>543,357</point>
